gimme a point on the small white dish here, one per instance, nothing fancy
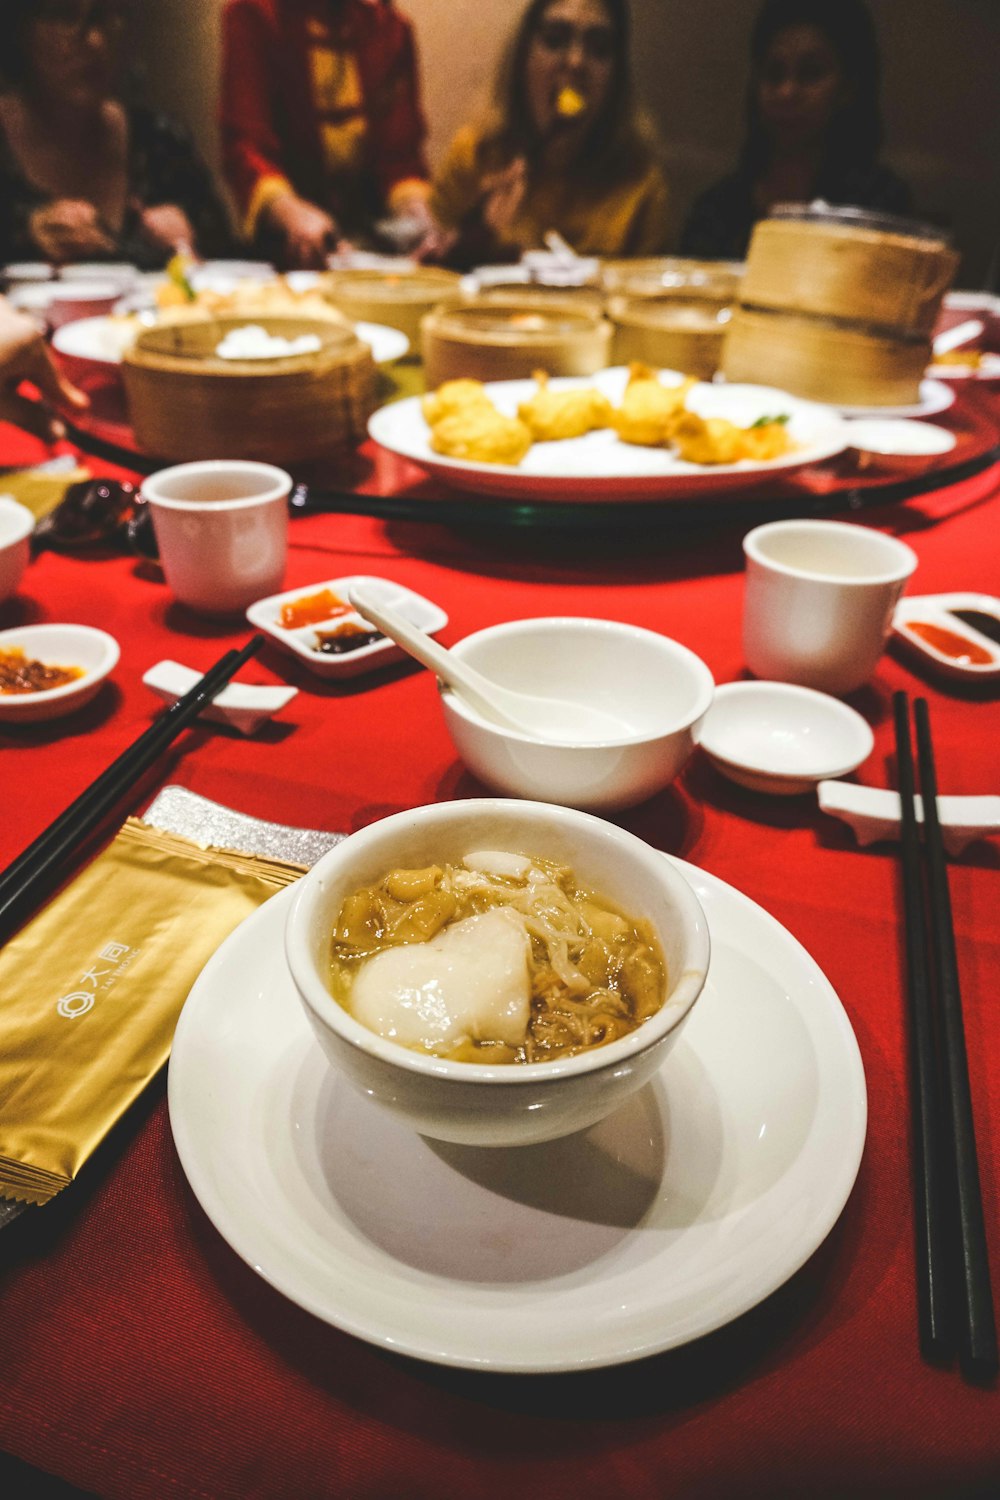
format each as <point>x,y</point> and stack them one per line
<point>301,641</point>
<point>782,739</point>
<point>62,302</point>
<point>899,439</point>
<point>16,525</point>
<point>657,688</point>
<point>875,814</point>
<point>987,368</point>
<point>703,1195</point>
<point>242,705</point>
<point>934,398</point>
<point>929,625</point>
<point>387,344</point>
<point>64,646</point>
<point>22,271</point>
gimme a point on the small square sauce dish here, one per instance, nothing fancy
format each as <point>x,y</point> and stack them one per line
<point>956,635</point>
<point>317,625</point>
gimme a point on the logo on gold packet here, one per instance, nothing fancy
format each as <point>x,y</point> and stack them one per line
<point>118,957</point>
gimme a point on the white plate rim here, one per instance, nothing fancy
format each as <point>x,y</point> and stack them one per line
<point>187,1094</point>
<point>387,344</point>
<point>935,397</point>
<point>675,479</point>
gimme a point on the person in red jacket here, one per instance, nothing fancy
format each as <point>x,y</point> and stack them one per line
<point>322,131</point>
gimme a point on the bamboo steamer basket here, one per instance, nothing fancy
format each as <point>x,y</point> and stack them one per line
<point>396,299</point>
<point>185,402</point>
<point>850,266</point>
<point>510,341</point>
<point>838,305</point>
<point>653,275</point>
<point>669,333</point>
<point>588,299</point>
<point>824,360</point>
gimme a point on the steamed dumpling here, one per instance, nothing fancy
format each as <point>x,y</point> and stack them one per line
<point>471,982</point>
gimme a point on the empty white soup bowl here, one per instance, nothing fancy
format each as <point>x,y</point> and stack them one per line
<point>658,689</point>
<point>16,525</point>
<point>511,1104</point>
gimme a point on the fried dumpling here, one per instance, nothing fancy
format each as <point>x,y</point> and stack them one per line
<point>649,408</point>
<point>481,434</point>
<point>555,415</point>
<point>451,397</point>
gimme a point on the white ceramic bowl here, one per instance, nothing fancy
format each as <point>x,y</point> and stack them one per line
<point>897,443</point>
<point>60,302</point>
<point>778,738</point>
<point>658,688</point>
<point>509,1105</point>
<point>16,525</point>
<point>63,646</point>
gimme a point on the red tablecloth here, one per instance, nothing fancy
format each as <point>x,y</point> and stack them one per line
<point>142,1358</point>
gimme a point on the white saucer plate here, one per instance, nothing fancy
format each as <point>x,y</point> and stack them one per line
<point>782,739</point>
<point>599,466</point>
<point>679,1213</point>
<point>935,397</point>
<point>103,341</point>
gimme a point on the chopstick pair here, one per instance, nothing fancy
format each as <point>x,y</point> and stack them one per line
<point>24,880</point>
<point>953,1273</point>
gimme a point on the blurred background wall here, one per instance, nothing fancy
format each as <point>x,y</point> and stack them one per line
<point>940,97</point>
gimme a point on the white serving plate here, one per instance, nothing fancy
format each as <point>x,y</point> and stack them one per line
<point>103,341</point>
<point>62,646</point>
<point>245,706</point>
<point>938,609</point>
<point>778,738</point>
<point>600,467</point>
<point>934,398</point>
<point>679,1213</point>
<point>265,615</point>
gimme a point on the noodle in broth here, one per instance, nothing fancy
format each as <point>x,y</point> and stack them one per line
<point>595,974</point>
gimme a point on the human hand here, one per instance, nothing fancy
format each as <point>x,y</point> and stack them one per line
<point>25,356</point>
<point>504,193</point>
<point>168,226</point>
<point>309,234</point>
<point>69,229</point>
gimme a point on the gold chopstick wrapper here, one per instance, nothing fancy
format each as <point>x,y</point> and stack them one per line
<point>91,989</point>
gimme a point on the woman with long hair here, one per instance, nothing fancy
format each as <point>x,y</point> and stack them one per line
<point>560,149</point>
<point>84,176</point>
<point>814,125</point>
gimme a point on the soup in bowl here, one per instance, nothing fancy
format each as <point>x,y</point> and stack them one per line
<point>496,973</point>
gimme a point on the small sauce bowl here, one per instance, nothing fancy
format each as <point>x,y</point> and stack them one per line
<point>82,646</point>
<point>781,739</point>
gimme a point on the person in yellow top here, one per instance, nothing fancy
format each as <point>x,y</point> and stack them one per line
<point>560,150</point>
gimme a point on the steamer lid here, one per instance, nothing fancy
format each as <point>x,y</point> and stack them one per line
<point>848,216</point>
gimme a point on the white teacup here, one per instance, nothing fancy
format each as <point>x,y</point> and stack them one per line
<point>222,530</point>
<point>819,601</point>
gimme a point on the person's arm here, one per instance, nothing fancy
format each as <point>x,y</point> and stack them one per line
<point>177,206</point>
<point>25,356</point>
<point>398,131</point>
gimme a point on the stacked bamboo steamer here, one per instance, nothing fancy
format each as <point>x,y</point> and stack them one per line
<point>510,338</point>
<point>839,305</point>
<point>673,313</point>
<point>185,401</point>
<point>396,299</point>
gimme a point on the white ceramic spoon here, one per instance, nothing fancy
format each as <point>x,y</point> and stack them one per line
<point>543,718</point>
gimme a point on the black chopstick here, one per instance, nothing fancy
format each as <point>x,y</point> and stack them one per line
<point>976,1301</point>
<point>934,1312</point>
<point>24,880</point>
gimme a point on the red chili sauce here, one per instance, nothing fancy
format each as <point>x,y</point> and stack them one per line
<point>346,637</point>
<point>958,647</point>
<point>21,674</point>
<point>311,608</point>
